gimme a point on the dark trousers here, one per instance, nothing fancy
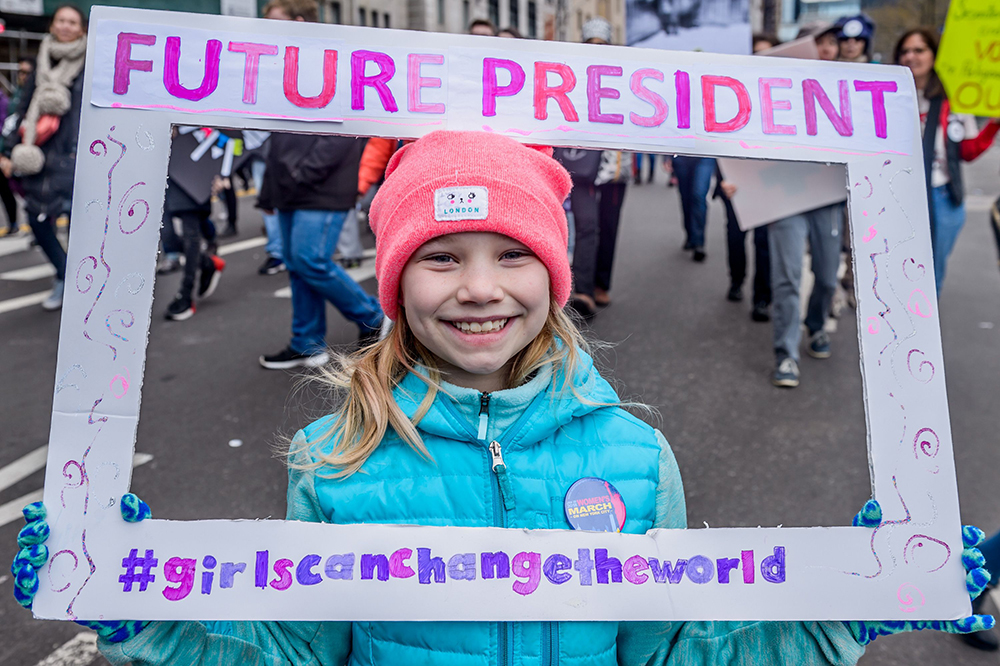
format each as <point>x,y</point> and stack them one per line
<point>229,195</point>
<point>694,176</point>
<point>174,244</point>
<point>738,256</point>
<point>193,226</point>
<point>596,212</point>
<point>44,229</point>
<point>9,202</point>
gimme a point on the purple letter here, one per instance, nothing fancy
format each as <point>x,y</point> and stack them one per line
<point>812,92</point>
<point>632,567</point>
<point>878,90</point>
<point>171,77</point>
<point>490,88</point>
<point>527,565</point>
<point>260,570</point>
<point>595,93</point>
<point>304,573</point>
<point>387,68</point>
<point>772,567</point>
<point>606,565</point>
<point>123,60</point>
<point>554,566</point>
<point>369,563</point>
<point>725,565</point>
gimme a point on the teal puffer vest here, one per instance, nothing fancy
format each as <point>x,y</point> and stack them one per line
<point>547,439</point>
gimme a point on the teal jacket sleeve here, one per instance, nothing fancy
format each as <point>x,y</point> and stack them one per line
<point>725,643</point>
<point>249,643</point>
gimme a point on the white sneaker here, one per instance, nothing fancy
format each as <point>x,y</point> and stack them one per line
<point>54,300</point>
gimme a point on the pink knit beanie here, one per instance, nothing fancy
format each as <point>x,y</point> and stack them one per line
<point>450,182</point>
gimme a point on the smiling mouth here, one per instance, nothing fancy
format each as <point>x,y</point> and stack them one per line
<point>480,327</point>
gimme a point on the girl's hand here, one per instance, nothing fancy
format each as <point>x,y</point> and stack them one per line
<point>976,580</point>
<point>33,555</point>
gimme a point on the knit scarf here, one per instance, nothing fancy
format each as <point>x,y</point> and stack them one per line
<point>59,63</point>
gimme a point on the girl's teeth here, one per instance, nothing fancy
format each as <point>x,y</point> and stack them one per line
<point>477,327</point>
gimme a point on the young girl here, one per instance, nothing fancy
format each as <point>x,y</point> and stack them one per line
<point>480,408</point>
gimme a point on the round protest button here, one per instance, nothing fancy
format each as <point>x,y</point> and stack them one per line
<point>594,505</point>
<point>956,130</point>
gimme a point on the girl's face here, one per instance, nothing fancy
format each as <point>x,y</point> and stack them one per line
<point>475,299</point>
<point>916,55</point>
<point>828,47</point>
<point>67,25</point>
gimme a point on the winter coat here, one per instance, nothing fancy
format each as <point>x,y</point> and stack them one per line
<point>311,172</point>
<point>549,439</point>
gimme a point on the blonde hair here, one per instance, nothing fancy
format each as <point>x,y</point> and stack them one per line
<point>367,378</point>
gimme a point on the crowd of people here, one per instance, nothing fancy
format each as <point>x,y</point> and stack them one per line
<point>481,347</point>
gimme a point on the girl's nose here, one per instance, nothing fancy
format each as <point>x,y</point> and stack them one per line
<point>480,285</point>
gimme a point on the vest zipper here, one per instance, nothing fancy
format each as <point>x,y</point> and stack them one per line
<point>503,481</point>
<point>484,415</point>
<point>550,644</point>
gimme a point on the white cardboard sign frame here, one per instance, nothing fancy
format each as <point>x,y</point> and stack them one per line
<point>909,568</point>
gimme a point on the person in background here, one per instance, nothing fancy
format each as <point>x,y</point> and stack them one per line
<point>763,41</point>
<point>45,160</point>
<point>948,139</point>
<point>483,27</point>
<point>643,158</point>
<point>596,209</point>
<point>854,36</point>
<point>825,35</point>
<point>510,33</point>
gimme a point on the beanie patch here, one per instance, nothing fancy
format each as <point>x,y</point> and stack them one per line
<point>470,202</point>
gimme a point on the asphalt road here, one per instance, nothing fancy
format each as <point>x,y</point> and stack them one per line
<point>750,454</point>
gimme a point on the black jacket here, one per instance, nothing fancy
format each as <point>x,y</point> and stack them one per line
<point>50,192</point>
<point>311,172</point>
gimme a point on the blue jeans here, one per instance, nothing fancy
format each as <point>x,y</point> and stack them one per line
<point>787,245</point>
<point>948,221</point>
<point>309,238</point>
<point>694,177</point>
<point>273,247</point>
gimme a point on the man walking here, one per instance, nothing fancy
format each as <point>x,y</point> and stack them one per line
<point>311,182</point>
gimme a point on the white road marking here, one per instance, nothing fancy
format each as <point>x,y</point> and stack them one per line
<point>23,467</point>
<point>81,650</point>
<point>239,246</point>
<point>24,301</point>
<point>11,511</point>
<point>30,273</point>
<point>14,245</point>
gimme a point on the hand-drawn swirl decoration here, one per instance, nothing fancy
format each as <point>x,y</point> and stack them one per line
<point>912,263</point>
<point>920,541</point>
<point>76,563</point>
<point>131,209</point>
<point>907,603</point>
<point>928,446</point>
<point>920,367</point>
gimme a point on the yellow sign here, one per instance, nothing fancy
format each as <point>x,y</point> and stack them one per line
<point>968,61</point>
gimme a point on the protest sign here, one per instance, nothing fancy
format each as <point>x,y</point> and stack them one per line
<point>149,71</point>
<point>771,191</point>
<point>968,60</point>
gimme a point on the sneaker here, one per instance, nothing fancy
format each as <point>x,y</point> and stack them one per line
<point>54,300</point>
<point>180,309</point>
<point>786,375</point>
<point>735,293</point>
<point>819,345</point>
<point>271,266</point>
<point>168,265</point>
<point>349,263</point>
<point>210,276</point>
<point>287,358</point>
<point>699,254</point>
<point>760,312</point>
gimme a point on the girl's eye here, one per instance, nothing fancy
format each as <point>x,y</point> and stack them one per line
<point>439,259</point>
<point>513,255</point>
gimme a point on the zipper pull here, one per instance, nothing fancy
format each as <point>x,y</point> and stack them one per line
<point>484,414</point>
<point>500,469</point>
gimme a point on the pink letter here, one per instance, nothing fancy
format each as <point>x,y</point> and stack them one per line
<point>526,565</point>
<point>543,92</point>
<point>813,91</point>
<point>647,95</point>
<point>123,61</point>
<point>595,93</point>
<point>708,84</point>
<point>290,79</point>
<point>179,570</point>
<point>682,84</point>
<point>387,68</point>
<point>414,82</point>
<point>769,105</point>
<point>171,78</point>
<point>490,88</point>
<point>253,53</point>
<point>748,569</point>
<point>633,566</point>
<point>878,90</point>
<point>398,568</point>
<point>283,578</point>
